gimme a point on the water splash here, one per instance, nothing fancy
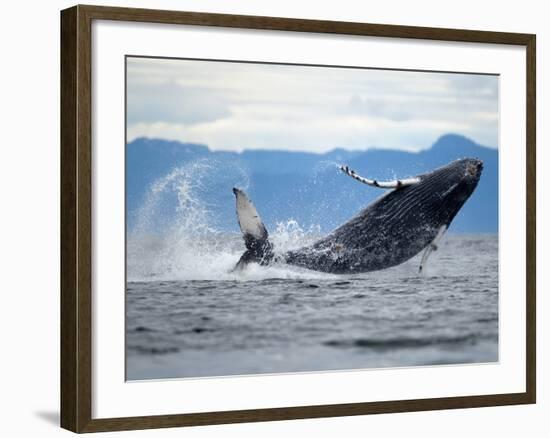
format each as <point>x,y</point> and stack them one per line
<point>321,167</point>
<point>177,234</point>
<point>185,184</point>
<point>289,235</point>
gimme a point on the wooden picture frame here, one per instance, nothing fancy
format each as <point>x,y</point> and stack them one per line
<point>76,218</point>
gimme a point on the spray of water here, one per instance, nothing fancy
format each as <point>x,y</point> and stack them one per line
<point>177,234</point>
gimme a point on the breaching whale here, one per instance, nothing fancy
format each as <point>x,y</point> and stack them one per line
<point>412,217</point>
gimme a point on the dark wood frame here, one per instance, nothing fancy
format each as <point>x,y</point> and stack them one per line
<point>76,218</point>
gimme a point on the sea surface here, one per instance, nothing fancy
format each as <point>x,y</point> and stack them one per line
<point>187,315</point>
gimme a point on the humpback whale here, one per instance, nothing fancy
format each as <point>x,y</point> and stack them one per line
<point>411,217</point>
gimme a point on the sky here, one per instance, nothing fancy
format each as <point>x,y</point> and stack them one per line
<point>236,106</point>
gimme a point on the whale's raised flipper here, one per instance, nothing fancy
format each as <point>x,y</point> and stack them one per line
<point>431,247</point>
<point>256,238</point>
<point>380,184</point>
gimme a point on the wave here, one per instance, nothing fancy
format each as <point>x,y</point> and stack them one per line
<point>408,342</point>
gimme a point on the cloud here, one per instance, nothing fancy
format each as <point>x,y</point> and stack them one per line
<point>173,103</point>
<point>234,106</point>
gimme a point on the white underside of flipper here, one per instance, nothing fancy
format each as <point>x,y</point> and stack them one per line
<point>430,248</point>
<point>249,220</point>
<point>395,184</point>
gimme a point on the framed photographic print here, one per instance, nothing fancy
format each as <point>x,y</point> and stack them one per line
<point>269,218</point>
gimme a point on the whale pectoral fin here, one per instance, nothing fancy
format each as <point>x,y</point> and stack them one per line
<point>424,261</point>
<point>250,222</point>
<point>395,184</point>
<point>430,248</point>
<point>258,247</point>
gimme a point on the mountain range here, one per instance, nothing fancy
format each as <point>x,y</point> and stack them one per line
<point>306,187</point>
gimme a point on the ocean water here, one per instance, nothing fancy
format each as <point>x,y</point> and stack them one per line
<point>187,315</point>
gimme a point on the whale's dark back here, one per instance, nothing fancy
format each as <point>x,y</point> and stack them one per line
<point>395,227</point>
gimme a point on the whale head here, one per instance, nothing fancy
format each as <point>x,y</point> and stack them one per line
<point>450,186</point>
<point>462,177</point>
